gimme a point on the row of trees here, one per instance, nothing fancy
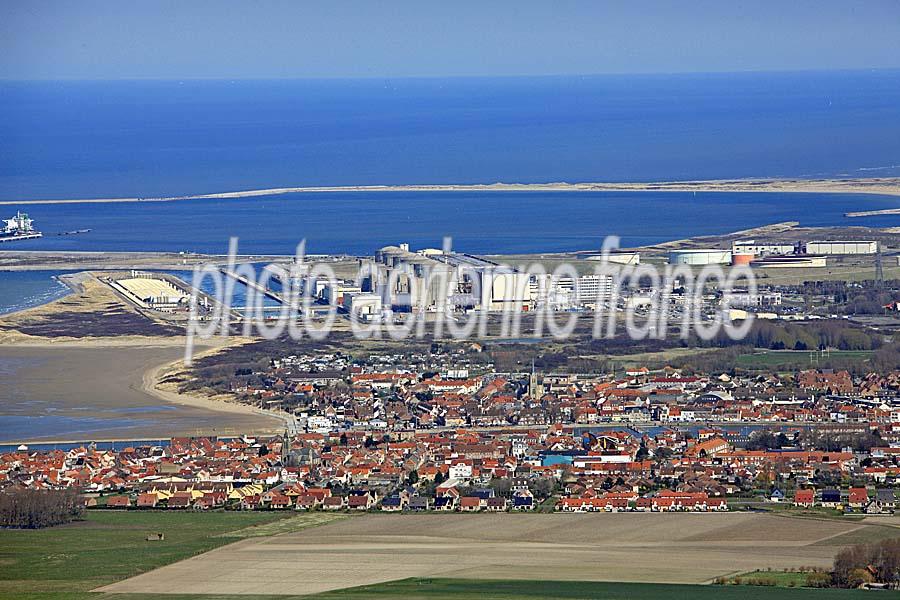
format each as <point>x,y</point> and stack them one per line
<point>33,509</point>
<point>800,336</point>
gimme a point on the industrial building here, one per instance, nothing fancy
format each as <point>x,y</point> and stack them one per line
<point>745,298</point>
<point>801,261</point>
<point>336,293</point>
<point>364,306</point>
<point>761,249</point>
<point>591,288</point>
<point>566,292</point>
<point>149,291</point>
<point>841,247</point>
<point>408,280</point>
<point>700,256</point>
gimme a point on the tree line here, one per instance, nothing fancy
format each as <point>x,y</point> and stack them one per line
<point>34,509</point>
<point>799,336</point>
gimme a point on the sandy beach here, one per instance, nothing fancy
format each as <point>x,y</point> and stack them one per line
<point>884,186</point>
<point>91,313</point>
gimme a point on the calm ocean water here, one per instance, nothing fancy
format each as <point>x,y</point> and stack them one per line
<point>24,289</point>
<point>152,138</point>
<point>480,222</point>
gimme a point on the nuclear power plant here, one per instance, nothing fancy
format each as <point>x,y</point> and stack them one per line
<point>434,280</point>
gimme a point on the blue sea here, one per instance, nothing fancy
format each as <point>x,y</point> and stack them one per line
<point>480,222</point>
<point>163,138</point>
<point>23,289</point>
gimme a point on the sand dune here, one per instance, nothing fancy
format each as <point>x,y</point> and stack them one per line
<point>886,186</point>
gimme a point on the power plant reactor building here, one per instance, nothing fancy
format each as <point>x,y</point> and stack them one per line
<point>431,280</point>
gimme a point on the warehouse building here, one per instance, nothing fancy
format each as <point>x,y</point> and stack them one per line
<point>841,247</point>
<point>761,249</point>
<point>746,298</point>
<point>150,291</point>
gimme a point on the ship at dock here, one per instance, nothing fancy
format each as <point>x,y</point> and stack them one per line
<point>20,227</point>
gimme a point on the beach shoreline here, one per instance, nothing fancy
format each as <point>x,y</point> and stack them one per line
<point>153,385</point>
<point>875,186</point>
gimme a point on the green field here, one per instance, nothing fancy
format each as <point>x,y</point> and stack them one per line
<point>781,578</point>
<point>474,589</point>
<point>800,359</point>
<point>108,546</point>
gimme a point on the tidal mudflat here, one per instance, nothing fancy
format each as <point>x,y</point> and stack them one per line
<point>71,391</point>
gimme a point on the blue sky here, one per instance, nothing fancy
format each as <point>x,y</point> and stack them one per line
<point>274,39</point>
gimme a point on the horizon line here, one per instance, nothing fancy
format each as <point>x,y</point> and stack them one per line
<point>457,76</point>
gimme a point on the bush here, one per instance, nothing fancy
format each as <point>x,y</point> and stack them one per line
<point>818,580</point>
<point>762,581</point>
<point>33,509</point>
<point>858,577</point>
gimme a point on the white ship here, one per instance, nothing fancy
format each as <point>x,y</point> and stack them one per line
<point>19,227</point>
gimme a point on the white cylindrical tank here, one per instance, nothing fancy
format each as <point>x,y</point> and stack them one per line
<point>700,256</point>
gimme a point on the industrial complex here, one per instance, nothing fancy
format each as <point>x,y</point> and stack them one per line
<point>773,254</point>
<point>433,281</point>
<point>152,291</point>
<point>398,281</point>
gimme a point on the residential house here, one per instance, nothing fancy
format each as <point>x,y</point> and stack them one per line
<point>831,498</point>
<point>805,498</point>
<point>118,502</point>
<point>885,500</point>
<point>858,497</point>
